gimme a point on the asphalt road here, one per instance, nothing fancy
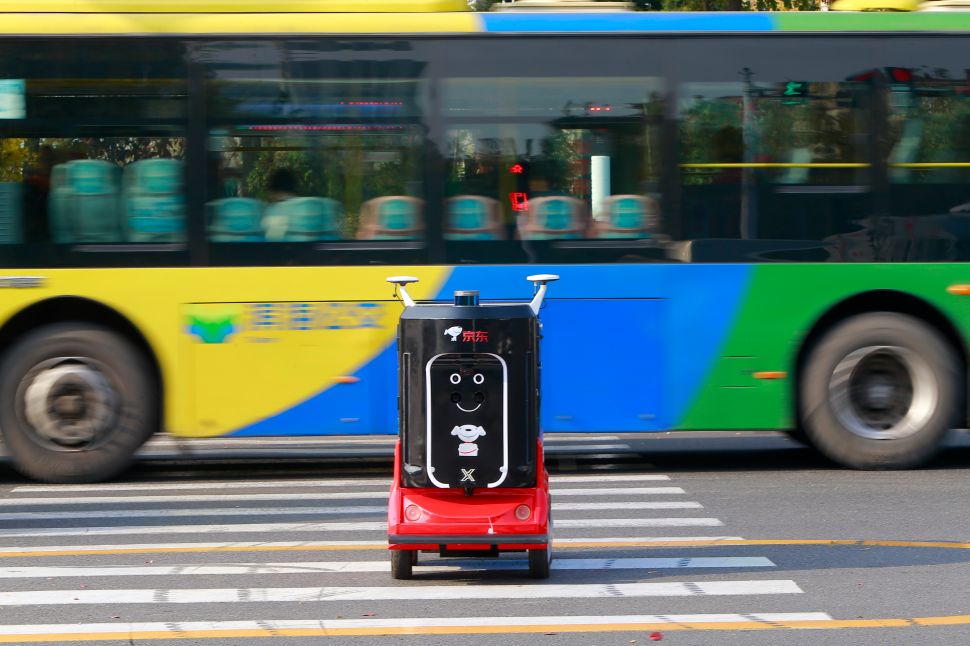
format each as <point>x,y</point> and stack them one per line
<point>730,539</point>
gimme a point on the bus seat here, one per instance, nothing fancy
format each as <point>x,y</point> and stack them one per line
<point>627,216</point>
<point>90,207</point>
<point>554,218</point>
<point>236,219</point>
<point>11,220</point>
<point>392,217</point>
<point>154,200</point>
<point>473,217</point>
<point>302,219</point>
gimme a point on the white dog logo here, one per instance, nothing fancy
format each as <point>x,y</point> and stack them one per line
<point>453,332</point>
<point>468,433</point>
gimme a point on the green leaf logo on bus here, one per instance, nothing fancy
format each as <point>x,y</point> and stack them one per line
<point>213,324</point>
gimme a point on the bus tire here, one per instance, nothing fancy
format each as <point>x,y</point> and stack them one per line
<point>402,562</point>
<point>77,400</point>
<point>880,391</point>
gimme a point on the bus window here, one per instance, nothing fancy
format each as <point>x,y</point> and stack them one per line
<point>927,153</point>
<point>782,160</point>
<point>299,158</point>
<point>99,165</point>
<point>552,158</point>
<point>92,190</point>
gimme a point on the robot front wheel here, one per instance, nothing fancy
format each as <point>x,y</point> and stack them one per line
<point>539,562</point>
<point>402,562</point>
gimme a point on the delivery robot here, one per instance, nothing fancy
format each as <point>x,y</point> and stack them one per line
<point>469,478</point>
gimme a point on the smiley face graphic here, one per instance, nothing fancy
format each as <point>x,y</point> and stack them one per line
<point>468,394</point>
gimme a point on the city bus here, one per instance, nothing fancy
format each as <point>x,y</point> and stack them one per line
<point>761,220</point>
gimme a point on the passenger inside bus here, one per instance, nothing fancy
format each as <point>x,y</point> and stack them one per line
<point>291,218</point>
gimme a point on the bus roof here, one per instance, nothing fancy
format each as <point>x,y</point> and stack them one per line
<point>303,17</point>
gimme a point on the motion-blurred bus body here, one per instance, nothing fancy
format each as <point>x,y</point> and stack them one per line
<point>761,220</point>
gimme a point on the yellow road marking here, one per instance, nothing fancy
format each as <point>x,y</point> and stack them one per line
<point>819,624</point>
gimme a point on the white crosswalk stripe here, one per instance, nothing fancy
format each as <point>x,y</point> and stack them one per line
<point>243,546</point>
<point>582,504</point>
<point>329,495</point>
<point>308,511</point>
<point>375,526</point>
<point>278,484</point>
<point>399,593</point>
<point>313,567</point>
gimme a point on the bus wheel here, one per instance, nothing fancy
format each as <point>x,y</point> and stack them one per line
<point>76,402</point>
<point>401,564</point>
<point>880,391</point>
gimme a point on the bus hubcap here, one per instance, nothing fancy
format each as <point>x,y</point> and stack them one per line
<point>883,392</point>
<point>70,403</point>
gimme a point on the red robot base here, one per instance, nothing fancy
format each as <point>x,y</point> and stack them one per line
<point>450,522</point>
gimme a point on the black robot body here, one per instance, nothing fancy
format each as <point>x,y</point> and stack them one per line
<point>468,393</point>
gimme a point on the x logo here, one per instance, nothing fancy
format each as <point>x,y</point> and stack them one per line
<point>466,475</point>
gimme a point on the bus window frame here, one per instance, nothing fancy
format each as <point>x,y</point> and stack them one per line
<point>30,255</point>
<point>490,64</point>
<point>347,252</point>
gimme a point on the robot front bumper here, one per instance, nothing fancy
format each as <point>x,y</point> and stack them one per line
<point>506,518</point>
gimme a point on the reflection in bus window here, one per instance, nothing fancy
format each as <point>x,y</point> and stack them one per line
<point>306,185</point>
<point>775,160</point>
<point>548,158</point>
<point>928,158</point>
<point>299,158</point>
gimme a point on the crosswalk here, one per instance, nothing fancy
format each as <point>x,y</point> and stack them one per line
<point>233,560</point>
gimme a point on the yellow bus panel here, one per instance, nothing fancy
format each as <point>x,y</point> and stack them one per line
<point>238,23</point>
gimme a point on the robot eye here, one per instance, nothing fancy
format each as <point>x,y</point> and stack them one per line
<point>479,379</point>
<point>455,378</point>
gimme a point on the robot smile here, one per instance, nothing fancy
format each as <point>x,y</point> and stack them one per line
<point>467,410</point>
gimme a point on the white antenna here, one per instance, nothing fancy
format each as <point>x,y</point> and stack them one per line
<point>400,288</point>
<point>539,281</point>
